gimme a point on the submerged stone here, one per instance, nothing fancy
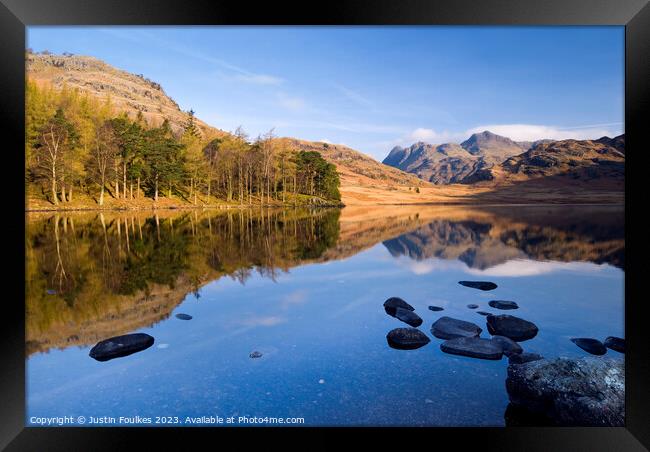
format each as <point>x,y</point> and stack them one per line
<point>120,346</point>
<point>508,346</point>
<point>474,347</point>
<point>571,392</point>
<point>435,308</point>
<point>615,343</point>
<point>482,312</point>
<point>472,306</point>
<point>407,316</point>
<point>525,357</point>
<point>184,316</point>
<point>481,285</point>
<point>510,326</point>
<point>255,354</point>
<point>503,304</point>
<point>593,346</point>
<point>393,303</point>
<point>406,338</point>
<point>448,328</point>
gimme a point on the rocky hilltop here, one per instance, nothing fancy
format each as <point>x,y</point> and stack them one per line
<point>452,163</point>
<point>492,159</point>
<point>127,92</point>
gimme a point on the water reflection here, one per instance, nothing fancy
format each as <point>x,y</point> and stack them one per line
<point>91,276</point>
<point>286,308</point>
<point>497,235</point>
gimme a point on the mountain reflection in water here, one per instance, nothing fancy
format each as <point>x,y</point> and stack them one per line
<point>91,276</point>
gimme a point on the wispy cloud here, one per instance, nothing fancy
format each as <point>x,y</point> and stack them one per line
<point>352,95</point>
<point>263,321</point>
<point>237,73</point>
<point>292,103</point>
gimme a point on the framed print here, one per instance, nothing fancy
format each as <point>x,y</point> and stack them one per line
<point>373,216</point>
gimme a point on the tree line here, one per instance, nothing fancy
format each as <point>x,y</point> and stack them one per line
<point>76,143</point>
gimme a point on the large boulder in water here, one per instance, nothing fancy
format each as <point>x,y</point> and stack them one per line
<point>481,285</point>
<point>593,346</point>
<point>119,346</point>
<point>570,392</point>
<point>448,328</point>
<point>407,338</point>
<point>510,326</point>
<point>474,347</point>
<point>393,303</point>
<point>407,316</point>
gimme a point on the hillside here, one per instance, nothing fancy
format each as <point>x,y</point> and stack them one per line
<point>127,92</point>
<point>135,93</point>
<point>576,159</point>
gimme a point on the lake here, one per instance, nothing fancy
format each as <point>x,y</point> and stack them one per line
<point>305,289</point>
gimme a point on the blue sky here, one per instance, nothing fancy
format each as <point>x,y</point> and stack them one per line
<point>372,88</point>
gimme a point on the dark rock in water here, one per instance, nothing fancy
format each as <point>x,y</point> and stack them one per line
<point>393,303</point>
<point>119,346</point>
<point>510,326</point>
<point>503,304</point>
<point>255,354</point>
<point>615,343</point>
<point>407,338</point>
<point>508,346</point>
<point>474,347</point>
<point>570,392</point>
<point>481,285</point>
<point>407,316</point>
<point>482,312</point>
<point>472,306</point>
<point>435,308</point>
<point>593,346</point>
<point>525,357</point>
<point>184,316</point>
<point>448,328</point>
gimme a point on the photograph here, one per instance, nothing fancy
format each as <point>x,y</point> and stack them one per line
<point>324,226</point>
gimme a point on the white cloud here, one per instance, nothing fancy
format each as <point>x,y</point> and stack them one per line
<point>512,268</point>
<point>325,140</point>
<point>524,267</point>
<point>430,136</point>
<point>517,132</point>
<point>532,132</point>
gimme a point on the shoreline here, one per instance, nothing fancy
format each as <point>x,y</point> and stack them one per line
<point>339,206</point>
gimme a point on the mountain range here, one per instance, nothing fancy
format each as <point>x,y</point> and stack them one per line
<point>486,157</point>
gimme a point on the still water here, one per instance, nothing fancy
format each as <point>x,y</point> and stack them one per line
<point>306,290</point>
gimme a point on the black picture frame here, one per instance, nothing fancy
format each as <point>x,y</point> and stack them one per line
<point>15,15</point>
